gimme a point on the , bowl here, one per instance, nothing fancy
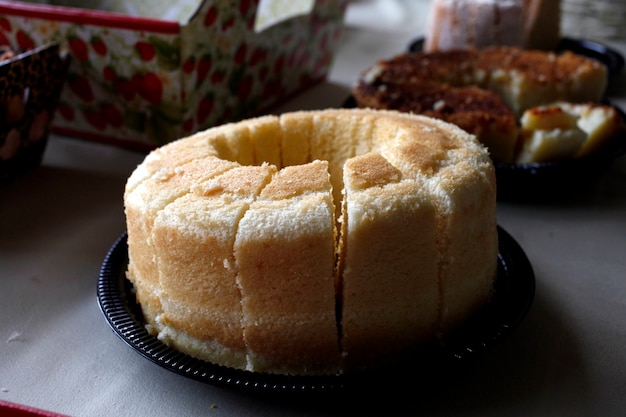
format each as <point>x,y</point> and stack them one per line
<point>30,86</point>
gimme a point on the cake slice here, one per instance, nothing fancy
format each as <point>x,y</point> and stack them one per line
<point>601,123</point>
<point>233,142</point>
<point>463,220</point>
<point>388,230</point>
<point>337,136</point>
<point>144,200</point>
<point>193,239</point>
<point>459,180</point>
<point>266,135</point>
<point>550,145</point>
<point>297,129</point>
<point>549,133</point>
<point>567,130</point>
<point>285,257</point>
<point>528,78</point>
